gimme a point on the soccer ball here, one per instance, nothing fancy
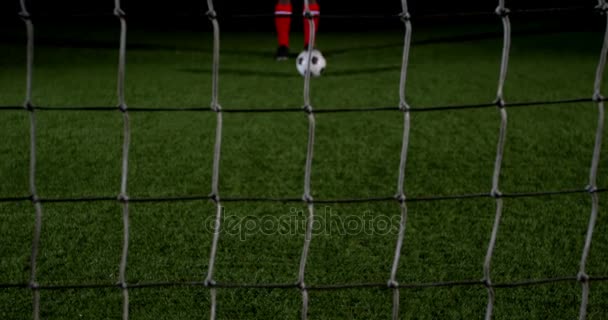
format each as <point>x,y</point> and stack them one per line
<point>317,63</point>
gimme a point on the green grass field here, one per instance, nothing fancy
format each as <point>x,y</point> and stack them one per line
<point>356,155</point>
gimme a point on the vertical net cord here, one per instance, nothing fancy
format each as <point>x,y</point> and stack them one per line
<point>592,187</point>
<point>309,17</point>
<point>392,283</point>
<point>307,197</point>
<point>504,13</point>
<point>215,196</point>
<point>123,197</point>
<point>25,15</point>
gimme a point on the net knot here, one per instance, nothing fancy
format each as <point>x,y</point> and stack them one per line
<point>34,198</point>
<point>209,282</point>
<point>122,107</point>
<point>495,193</point>
<point>25,15</point>
<point>216,107</point>
<point>34,285</point>
<point>119,13</point>
<point>28,106</point>
<point>582,277</point>
<point>123,285</point>
<point>214,197</point>
<point>307,198</point>
<point>403,106</point>
<point>405,16</point>
<point>591,188</point>
<point>307,109</point>
<point>500,102</point>
<point>123,198</point>
<point>393,284</point>
<point>211,14</point>
<point>400,197</point>
<point>602,7</point>
<point>502,11</point>
<point>301,285</point>
<point>308,14</point>
<point>597,97</point>
<point>487,282</point>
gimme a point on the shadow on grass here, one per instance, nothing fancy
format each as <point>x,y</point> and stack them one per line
<point>291,72</point>
<point>133,45</point>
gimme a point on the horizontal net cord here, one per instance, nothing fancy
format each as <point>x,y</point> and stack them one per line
<point>511,12</point>
<point>316,111</point>
<point>202,13</point>
<point>432,16</point>
<point>523,194</point>
<point>319,287</point>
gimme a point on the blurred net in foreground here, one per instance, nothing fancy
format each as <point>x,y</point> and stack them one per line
<point>400,198</point>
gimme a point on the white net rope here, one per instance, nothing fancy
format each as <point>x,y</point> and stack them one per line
<point>583,277</point>
<point>392,284</point>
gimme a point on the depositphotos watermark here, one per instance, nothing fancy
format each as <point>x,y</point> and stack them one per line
<point>327,221</point>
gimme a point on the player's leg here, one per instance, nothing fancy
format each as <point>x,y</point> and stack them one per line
<point>315,11</point>
<point>282,19</point>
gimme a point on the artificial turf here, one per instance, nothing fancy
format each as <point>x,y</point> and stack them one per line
<point>356,155</point>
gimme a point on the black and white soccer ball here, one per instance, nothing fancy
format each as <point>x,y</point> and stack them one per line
<point>317,63</point>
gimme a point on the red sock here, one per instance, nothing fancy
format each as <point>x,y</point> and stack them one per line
<point>315,11</point>
<point>282,21</point>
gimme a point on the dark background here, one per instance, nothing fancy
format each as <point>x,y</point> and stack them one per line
<point>338,14</point>
<point>230,7</point>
